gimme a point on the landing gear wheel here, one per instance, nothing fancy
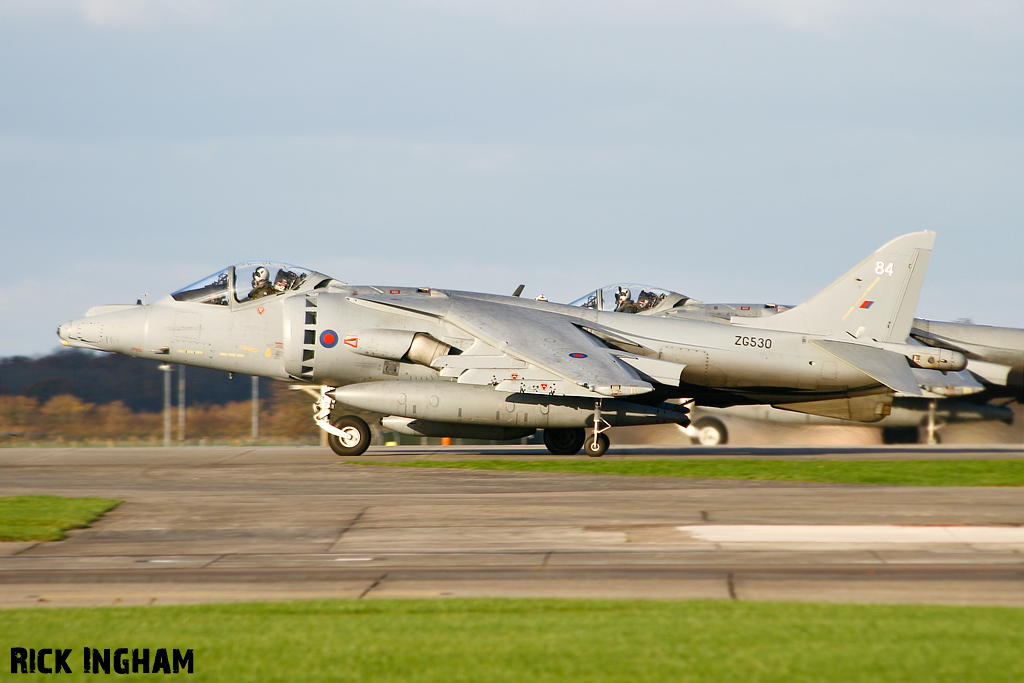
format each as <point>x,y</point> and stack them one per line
<point>710,432</point>
<point>564,441</point>
<point>600,449</point>
<point>899,435</point>
<point>355,439</point>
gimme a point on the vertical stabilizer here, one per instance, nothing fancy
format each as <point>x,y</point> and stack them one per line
<point>876,300</point>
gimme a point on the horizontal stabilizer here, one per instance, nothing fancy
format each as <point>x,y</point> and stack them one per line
<point>886,367</point>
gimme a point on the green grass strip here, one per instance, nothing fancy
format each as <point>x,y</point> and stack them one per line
<point>542,641</point>
<point>896,472</point>
<point>46,518</point>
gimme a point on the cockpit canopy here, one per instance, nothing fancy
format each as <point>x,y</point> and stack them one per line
<point>250,281</point>
<point>629,297</point>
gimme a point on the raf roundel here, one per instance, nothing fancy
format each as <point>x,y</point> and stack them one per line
<point>577,355</point>
<point>329,339</point>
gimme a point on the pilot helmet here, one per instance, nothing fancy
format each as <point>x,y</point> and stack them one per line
<point>260,275</point>
<point>624,294</point>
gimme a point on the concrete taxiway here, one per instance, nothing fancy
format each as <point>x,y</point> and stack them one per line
<point>267,523</point>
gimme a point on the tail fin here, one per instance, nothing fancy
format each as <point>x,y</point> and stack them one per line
<point>875,300</point>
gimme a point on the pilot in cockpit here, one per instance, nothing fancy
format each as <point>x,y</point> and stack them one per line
<point>647,300</point>
<point>261,286</point>
<point>283,280</point>
<point>624,301</point>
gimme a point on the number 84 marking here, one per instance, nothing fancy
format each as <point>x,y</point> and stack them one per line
<point>882,268</point>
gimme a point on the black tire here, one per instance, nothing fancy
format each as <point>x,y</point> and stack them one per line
<point>599,449</point>
<point>894,435</point>
<point>710,432</point>
<point>357,436</point>
<point>564,441</point>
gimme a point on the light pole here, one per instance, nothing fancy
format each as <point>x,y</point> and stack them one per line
<point>167,370</point>
<point>181,404</point>
<point>255,408</point>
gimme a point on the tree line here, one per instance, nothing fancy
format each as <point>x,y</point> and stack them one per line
<point>76,396</point>
<point>102,378</point>
<point>284,415</point>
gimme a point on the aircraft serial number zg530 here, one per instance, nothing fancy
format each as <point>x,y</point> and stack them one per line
<point>759,342</point>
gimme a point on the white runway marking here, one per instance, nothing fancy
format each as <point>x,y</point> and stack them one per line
<point>836,533</point>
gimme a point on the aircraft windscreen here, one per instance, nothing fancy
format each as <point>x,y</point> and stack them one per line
<point>628,297</point>
<point>209,290</point>
<point>256,280</point>
<point>248,282</point>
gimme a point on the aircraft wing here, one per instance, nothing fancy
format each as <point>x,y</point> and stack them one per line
<point>550,342</point>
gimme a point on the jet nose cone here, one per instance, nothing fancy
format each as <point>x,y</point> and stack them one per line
<point>81,333</point>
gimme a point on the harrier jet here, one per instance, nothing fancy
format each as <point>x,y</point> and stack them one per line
<point>465,364</point>
<point>995,371</point>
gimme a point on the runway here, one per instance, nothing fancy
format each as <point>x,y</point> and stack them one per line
<point>210,524</point>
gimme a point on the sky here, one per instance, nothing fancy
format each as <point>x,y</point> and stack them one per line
<point>731,150</point>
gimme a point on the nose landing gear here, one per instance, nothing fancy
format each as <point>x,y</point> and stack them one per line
<point>348,435</point>
<point>354,437</point>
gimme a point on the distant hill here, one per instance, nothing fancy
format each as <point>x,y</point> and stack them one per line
<point>105,377</point>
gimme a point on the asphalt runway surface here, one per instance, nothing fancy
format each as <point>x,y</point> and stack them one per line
<point>216,524</point>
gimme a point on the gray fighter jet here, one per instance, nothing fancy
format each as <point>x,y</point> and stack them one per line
<point>465,364</point>
<point>996,362</point>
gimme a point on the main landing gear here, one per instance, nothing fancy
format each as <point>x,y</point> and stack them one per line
<point>564,441</point>
<point>570,441</point>
<point>927,433</point>
<point>710,432</point>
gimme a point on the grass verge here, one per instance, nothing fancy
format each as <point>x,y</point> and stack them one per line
<point>547,640</point>
<point>896,472</point>
<point>46,518</point>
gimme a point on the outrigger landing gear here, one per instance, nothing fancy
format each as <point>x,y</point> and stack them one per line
<point>598,443</point>
<point>348,435</point>
<point>597,446</point>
